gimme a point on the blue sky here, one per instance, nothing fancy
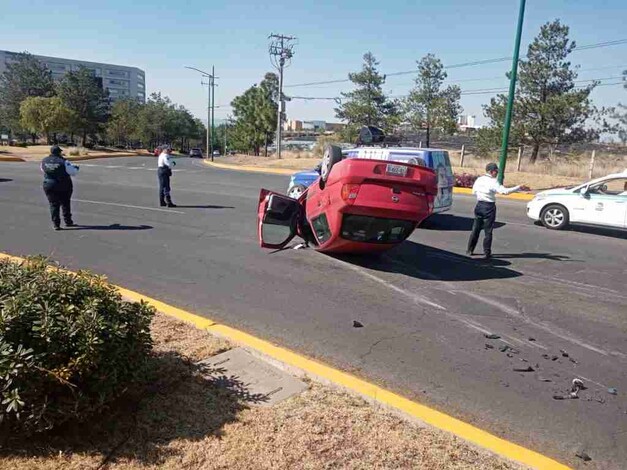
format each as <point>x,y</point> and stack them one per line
<point>162,37</point>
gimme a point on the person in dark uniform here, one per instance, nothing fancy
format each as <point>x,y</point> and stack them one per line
<point>58,186</point>
<point>164,172</point>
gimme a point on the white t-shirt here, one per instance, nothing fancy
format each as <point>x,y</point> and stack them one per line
<point>486,187</point>
<point>164,160</point>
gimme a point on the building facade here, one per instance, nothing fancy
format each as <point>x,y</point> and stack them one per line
<point>120,81</point>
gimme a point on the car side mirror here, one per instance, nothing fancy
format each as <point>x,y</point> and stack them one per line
<point>584,191</point>
<point>280,220</point>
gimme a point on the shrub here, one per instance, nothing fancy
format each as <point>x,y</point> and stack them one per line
<point>465,180</point>
<point>77,151</point>
<point>69,345</point>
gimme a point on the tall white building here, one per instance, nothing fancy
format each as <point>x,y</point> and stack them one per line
<point>121,81</point>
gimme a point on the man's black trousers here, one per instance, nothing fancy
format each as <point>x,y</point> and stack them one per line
<point>59,197</point>
<point>485,215</point>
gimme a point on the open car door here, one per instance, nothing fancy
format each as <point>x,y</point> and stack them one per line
<point>277,219</point>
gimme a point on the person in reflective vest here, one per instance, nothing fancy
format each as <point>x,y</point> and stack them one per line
<point>58,186</point>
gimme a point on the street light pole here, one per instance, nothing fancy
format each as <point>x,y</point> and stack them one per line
<point>210,106</point>
<point>512,92</point>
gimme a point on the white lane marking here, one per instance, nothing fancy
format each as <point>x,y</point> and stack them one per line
<point>129,206</point>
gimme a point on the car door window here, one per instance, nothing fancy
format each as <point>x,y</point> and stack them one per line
<point>613,187</point>
<point>321,228</point>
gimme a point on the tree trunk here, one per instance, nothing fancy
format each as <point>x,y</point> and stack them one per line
<point>265,151</point>
<point>84,138</point>
<point>428,136</point>
<point>534,153</point>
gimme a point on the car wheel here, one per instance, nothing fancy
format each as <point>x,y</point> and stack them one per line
<point>554,217</point>
<point>332,155</point>
<point>296,191</point>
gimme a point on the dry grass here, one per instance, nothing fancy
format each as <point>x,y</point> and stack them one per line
<point>37,152</point>
<point>290,160</point>
<point>179,420</point>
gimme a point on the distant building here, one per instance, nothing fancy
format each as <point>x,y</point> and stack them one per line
<point>293,125</point>
<point>120,81</point>
<point>467,122</point>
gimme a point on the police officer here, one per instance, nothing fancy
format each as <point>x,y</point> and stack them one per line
<point>164,172</point>
<point>485,188</point>
<point>58,186</point>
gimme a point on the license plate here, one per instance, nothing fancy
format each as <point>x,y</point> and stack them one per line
<point>396,170</point>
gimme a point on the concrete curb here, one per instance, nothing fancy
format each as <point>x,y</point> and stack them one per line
<point>327,374</point>
<point>290,171</point>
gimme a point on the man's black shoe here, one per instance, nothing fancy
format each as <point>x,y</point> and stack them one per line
<point>469,253</point>
<point>162,204</point>
<point>56,228</point>
<point>171,204</point>
<point>487,256</point>
<point>70,224</point>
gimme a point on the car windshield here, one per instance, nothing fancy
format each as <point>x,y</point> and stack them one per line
<point>375,230</point>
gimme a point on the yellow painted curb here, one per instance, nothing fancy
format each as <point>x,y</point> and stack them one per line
<point>11,159</point>
<point>291,171</point>
<point>416,410</point>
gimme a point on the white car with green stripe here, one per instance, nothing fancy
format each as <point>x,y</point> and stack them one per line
<point>602,201</point>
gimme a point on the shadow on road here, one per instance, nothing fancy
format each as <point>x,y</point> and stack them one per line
<point>110,227</point>
<point>432,264</point>
<point>451,223</point>
<point>548,256</point>
<point>600,231</point>
<point>5,180</point>
<point>205,207</point>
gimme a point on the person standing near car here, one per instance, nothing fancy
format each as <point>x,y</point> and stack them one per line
<point>58,186</point>
<point>485,188</point>
<point>164,172</point>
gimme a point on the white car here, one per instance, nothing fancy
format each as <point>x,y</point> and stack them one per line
<point>602,201</point>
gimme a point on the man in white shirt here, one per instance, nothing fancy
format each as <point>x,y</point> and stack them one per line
<point>485,188</point>
<point>164,171</point>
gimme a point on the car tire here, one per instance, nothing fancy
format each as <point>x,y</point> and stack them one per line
<point>296,191</point>
<point>555,217</point>
<point>332,155</point>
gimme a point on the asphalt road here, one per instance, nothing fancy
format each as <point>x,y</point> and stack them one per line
<point>425,307</point>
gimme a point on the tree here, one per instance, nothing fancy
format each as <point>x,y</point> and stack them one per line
<point>255,114</point>
<point>82,93</point>
<point>367,104</point>
<point>123,122</point>
<point>41,115</point>
<point>429,106</point>
<point>24,77</point>
<point>549,109</point>
<point>621,116</point>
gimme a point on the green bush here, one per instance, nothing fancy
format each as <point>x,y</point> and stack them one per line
<point>69,345</point>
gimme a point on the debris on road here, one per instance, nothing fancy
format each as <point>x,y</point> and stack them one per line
<point>583,455</point>
<point>301,246</point>
<point>564,353</point>
<point>524,369</point>
<point>576,387</point>
<point>492,336</point>
<point>543,379</point>
<point>565,397</point>
<point>489,346</point>
<point>506,348</point>
<point>612,391</point>
<point>532,339</point>
<point>357,324</point>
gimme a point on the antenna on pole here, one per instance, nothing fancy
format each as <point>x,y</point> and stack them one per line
<point>281,51</point>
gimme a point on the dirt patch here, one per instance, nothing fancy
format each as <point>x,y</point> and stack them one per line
<point>179,420</point>
<point>289,161</point>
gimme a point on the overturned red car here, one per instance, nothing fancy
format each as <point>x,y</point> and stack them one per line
<point>355,206</point>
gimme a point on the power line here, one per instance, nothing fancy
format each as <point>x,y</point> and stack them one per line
<point>465,64</point>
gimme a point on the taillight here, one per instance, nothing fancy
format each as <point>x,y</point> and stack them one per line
<point>350,192</point>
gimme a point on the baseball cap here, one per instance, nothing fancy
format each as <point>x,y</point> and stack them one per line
<point>490,167</point>
<point>56,150</point>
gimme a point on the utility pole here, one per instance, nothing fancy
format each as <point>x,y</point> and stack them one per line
<point>213,106</point>
<point>512,92</point>
<point>281,52</point>
<point>210,106</point>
